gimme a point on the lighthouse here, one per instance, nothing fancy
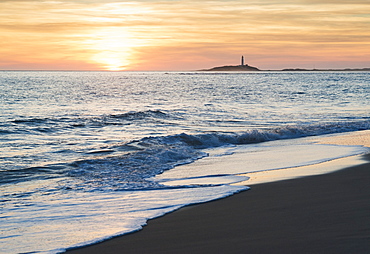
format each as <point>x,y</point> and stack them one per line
<point>242,61</point>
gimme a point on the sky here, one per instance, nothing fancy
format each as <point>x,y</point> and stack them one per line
<point>172,35</point>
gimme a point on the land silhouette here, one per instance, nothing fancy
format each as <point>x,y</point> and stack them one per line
<point>251,68</point>
<point>246,67</point>
<point>233,68</point>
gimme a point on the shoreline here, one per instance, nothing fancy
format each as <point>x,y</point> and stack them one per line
<point>326,213</point>
<point>314,214</point>
<point>357,138</point>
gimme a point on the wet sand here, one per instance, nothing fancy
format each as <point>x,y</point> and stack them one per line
<point>327,213</point>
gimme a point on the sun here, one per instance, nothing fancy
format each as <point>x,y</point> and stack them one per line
<point>112,48</point>
<point>113,60</point>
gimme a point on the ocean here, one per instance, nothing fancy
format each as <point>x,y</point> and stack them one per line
<point>86,156</point>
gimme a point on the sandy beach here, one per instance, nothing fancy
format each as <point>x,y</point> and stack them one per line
<point>328,213</point>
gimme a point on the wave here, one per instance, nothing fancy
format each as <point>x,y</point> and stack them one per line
<point>31,173</point>
<point>130,165</point>
<point>215,139</point>
<point>30,120</point>
<point>140,115</point>
<point>132,115</point>
<point>52,124</point>
<point>151,156</point>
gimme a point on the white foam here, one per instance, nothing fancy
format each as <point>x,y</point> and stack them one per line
<point>262,157</point>
<point>208,180</point>
<point>72,219</point>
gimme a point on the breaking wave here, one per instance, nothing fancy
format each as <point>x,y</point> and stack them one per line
<point>151,156</point>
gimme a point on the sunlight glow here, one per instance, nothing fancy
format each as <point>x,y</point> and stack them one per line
<point>113,48</point>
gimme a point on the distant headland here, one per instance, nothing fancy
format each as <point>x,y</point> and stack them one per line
<point>241,67</point>
<point>246,67</point>
<point>347,69</point>
<point>234,68</point>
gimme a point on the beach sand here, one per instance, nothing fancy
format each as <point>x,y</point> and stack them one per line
<point>327,213</point>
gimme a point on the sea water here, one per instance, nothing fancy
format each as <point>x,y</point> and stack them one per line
<point>85,156</point>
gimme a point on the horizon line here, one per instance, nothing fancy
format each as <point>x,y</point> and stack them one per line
<point>285,69</point>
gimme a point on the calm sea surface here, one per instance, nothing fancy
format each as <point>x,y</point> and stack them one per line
<point>81,153</point>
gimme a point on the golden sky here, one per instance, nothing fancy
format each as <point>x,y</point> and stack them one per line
<point>183,35</point>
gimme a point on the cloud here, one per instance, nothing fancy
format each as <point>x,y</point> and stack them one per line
<point>182,30</point>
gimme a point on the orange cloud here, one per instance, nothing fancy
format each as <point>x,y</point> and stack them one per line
<point>183,35</point>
